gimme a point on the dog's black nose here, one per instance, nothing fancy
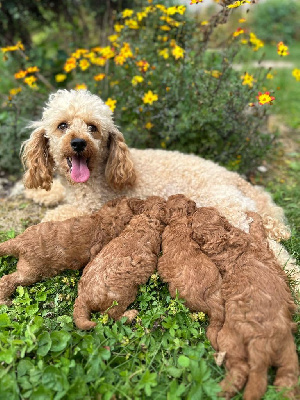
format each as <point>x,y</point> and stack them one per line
<point>78,144</point>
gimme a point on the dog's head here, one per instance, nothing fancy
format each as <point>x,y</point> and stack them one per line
<point>77,137</point>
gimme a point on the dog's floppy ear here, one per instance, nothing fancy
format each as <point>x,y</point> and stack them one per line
<point>37,161</point>
<point>119,171</point>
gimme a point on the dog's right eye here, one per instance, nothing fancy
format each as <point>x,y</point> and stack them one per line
<point>63,126</point>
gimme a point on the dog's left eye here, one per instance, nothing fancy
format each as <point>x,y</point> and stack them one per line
<point>92,128</point>
<point>63,126</point>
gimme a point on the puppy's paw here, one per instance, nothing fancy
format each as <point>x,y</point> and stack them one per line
<point>130,315</point>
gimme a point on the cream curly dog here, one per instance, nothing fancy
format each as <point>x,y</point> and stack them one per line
<point>78,140</point>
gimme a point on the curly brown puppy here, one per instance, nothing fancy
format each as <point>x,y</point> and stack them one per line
<point>121,266</point>
<point>257,332</point>
<point>46,249</point>
<point>187,269</point>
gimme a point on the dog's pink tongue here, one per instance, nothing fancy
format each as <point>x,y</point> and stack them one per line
<point>80,171</point>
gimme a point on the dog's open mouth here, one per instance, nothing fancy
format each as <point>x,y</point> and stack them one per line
<point>79,169</point>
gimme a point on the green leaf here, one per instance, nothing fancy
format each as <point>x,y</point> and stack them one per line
<point>53,378</point>
<point>183,361</point>
<point>44,344</point>
<point>4,321</point>
<point>173,371</point>
<point>60,340</point>
<point>7,355</point>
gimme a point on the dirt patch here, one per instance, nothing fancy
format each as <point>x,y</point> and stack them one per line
<point>17,212</point>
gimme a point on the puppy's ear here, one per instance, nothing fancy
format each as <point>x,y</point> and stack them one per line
<point>191,207</point>
<point>136,205</point>
<point>37,161</point>
<point>119,171</point>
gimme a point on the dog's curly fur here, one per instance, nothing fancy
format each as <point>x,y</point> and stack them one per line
<point>187,269</point>
<point>46,249</point>
<point>257,332</point>
<point>116,170</point>
<point>121,266</point>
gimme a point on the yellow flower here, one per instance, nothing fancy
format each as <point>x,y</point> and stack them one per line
<point>113,38</point>
<point>150,97</point>
<point>60,77</point>
<point>163,145</point>
<point>270,76</point>
<point>195,1</point>
<point>244,41</point>
<point>21,74</point>
<point>181,9</point>
<point>127,13</point>
<point>204,23</point>
<point>119,59</point>
<point>126,50</point>
<point>98,49</point>
<point>84,64</point>
<point>137,79</point>
<point>18,46</point>
<point>264,98</point>
<point>296,74</point>
<point>79,52</point>
<point>161,7</point>
<point>141,15</point>
<point>149,126</point>
<point>70,64</point>
<point>248,79</point>
<point>80,86</point>
<point>255,41</point>
<point>282,49</point>
<point>162,38</point>
<point>30,80</point>
<point>242,20</point>
<point>238,32</point>
<point>118,27</point>
<point>216,74</point>
<point>15,91</point>
<point>107,52</point>
<point>31,70</point>
<point>165,28</point>
<point>101,61</point>
<point>143,65</point>
<point>114,83</point>
<point>99,77</point>
<point>111,104</point>
<point>238,3</point>
<point>132,24</point>
<point>164,53</point>
<point>178,52</point>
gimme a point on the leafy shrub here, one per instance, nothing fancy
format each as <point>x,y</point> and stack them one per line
<point>168,90</point>
<point>277,20</point>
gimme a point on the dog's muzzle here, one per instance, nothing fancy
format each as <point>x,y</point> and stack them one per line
<point>78,164</point>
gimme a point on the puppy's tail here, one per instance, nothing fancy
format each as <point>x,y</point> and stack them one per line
<point>9,248</point>
<point>82,314</point>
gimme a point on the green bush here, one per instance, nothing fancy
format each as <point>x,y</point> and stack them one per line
<point>199,103</point>
<point>277,20</point>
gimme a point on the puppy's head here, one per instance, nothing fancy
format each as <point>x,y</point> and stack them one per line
<point>77,137</point>
<point>179,206</point>
<point>155,207</point>
<point>210,230</point>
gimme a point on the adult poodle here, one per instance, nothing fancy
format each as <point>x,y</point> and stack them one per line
<point>78,140</point>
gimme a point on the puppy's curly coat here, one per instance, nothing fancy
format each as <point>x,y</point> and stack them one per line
<point>187,269</point>
<point>46,249</point>
<point>121,266</point>
<point>77,139</point>
<point>257,332</point>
